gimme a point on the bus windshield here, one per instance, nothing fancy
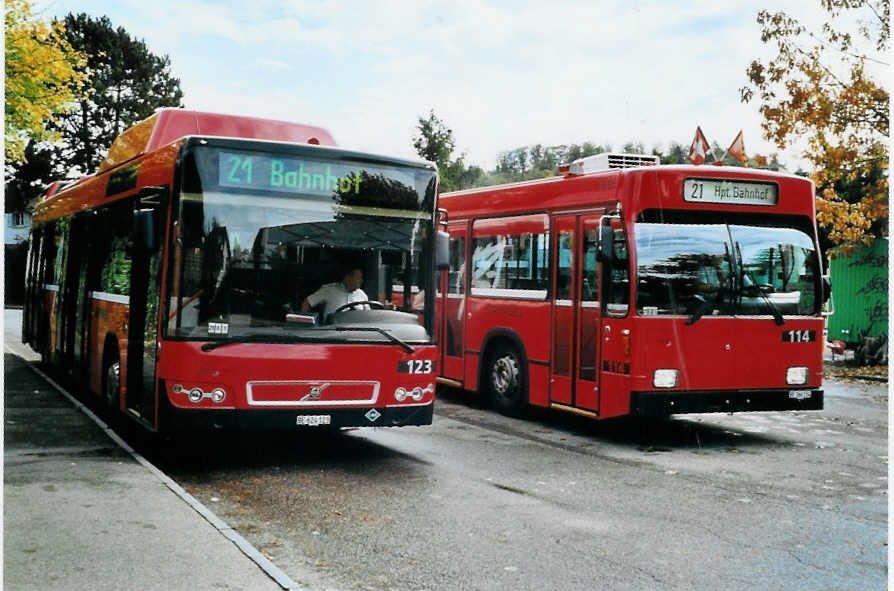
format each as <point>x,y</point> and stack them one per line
<point>724,269</point>
<point>257,232</point>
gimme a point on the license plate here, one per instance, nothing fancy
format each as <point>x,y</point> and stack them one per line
<point>799,394</point>
<point>313,420</point>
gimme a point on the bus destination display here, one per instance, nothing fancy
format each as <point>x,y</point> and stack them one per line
<point>730,192</point>
<point>252,170</point>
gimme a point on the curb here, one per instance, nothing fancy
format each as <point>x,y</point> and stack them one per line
<point>273,571</point>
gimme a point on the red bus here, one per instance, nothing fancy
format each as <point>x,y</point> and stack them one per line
<point>170,282</point>
<point>626,288</point>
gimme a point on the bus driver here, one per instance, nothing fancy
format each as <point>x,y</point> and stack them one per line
<point>339,293</point>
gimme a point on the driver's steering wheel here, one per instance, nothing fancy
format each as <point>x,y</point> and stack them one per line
<point>351,305</point>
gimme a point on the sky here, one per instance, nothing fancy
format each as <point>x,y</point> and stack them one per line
<point>500,74</point>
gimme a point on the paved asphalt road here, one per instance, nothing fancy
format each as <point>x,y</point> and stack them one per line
<point>480,501</point>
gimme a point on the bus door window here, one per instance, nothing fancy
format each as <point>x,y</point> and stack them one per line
<point>79,263</point>
<point>589,302</point>
<point>45,287</point>
<point>32,289</point>
<point>455,307</point>
<point>60,253</point>
<point>563,327</point>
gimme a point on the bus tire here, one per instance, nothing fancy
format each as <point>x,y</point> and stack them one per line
<point>505,379</point>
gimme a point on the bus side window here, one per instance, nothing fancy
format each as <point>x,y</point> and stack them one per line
<point>115,272</point>
<point>617,292</point>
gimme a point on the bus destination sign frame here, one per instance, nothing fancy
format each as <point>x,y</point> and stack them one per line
<point>730,192</point>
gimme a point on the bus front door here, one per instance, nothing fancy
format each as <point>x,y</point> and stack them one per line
<point>561,389</point>
<point>453,306</point>
<point>142,342</point>
<point>589,317</point>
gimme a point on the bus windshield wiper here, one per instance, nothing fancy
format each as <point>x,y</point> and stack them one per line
<point>252,338</point>
<point>403,345</point>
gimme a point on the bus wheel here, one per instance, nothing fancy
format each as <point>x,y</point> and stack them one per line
<point>505,380</point>
<point>113,386</point>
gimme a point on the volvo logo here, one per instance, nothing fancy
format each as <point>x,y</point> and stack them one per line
<point>315,392</point>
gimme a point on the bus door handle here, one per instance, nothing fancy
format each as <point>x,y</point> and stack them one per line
<point>625,336</point>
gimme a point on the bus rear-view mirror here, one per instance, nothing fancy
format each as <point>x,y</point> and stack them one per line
<point>144,230</point>
<point>442,250</point>
<point>606,246</point>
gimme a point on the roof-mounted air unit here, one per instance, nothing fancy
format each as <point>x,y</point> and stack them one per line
<point>608,160</point>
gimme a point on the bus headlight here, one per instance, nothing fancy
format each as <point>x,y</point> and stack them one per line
<point>795,376</point>
<point>417,394</point>
<point>218,395</point>
<point>665,378</point>
<point>196,395</point>
<point>400,394</point>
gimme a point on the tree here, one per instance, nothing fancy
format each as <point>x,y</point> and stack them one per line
<point>817,88</point>
<point>127,84</point>
<point>44,77</point>
<point>435,142</point>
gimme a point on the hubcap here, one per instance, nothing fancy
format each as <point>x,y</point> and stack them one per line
<point>505,374</point>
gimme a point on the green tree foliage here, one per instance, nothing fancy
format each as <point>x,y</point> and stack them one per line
<point>538,161</point>
<point>817,87</point>
<point>44,77</point>
<point>435,142</point>
<point>127,83</point>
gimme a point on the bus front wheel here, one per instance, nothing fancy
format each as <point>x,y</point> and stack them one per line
<point>505,380</point>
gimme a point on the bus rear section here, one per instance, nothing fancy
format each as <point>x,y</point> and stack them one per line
<point>644,291</point>
<point>170,285</point>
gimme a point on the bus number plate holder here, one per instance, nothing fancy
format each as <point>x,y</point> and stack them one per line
<point>313,420</point>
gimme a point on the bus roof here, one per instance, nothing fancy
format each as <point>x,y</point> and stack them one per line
<point>600,188</point>
<point>168,125</point>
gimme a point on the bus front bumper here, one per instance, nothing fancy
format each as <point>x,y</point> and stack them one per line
<point>679,402</point>
<point>268,420</point>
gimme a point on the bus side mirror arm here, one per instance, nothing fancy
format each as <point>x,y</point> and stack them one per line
<point>442,250</point>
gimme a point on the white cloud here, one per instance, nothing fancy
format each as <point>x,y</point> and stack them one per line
<point>501,74</point>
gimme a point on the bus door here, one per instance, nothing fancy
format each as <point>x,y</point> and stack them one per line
<point>589,317</point>
<point>142,342</point>
<point>563,314</point>
<point>616,341</point>
<point>454,306</point>
<point>74,317</point>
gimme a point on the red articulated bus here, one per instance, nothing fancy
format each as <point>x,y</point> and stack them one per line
<point>170,283</point>
<point>627,288</point>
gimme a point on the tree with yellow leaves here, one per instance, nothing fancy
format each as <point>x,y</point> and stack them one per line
<point>818,88</point>
<point>42,79</point>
